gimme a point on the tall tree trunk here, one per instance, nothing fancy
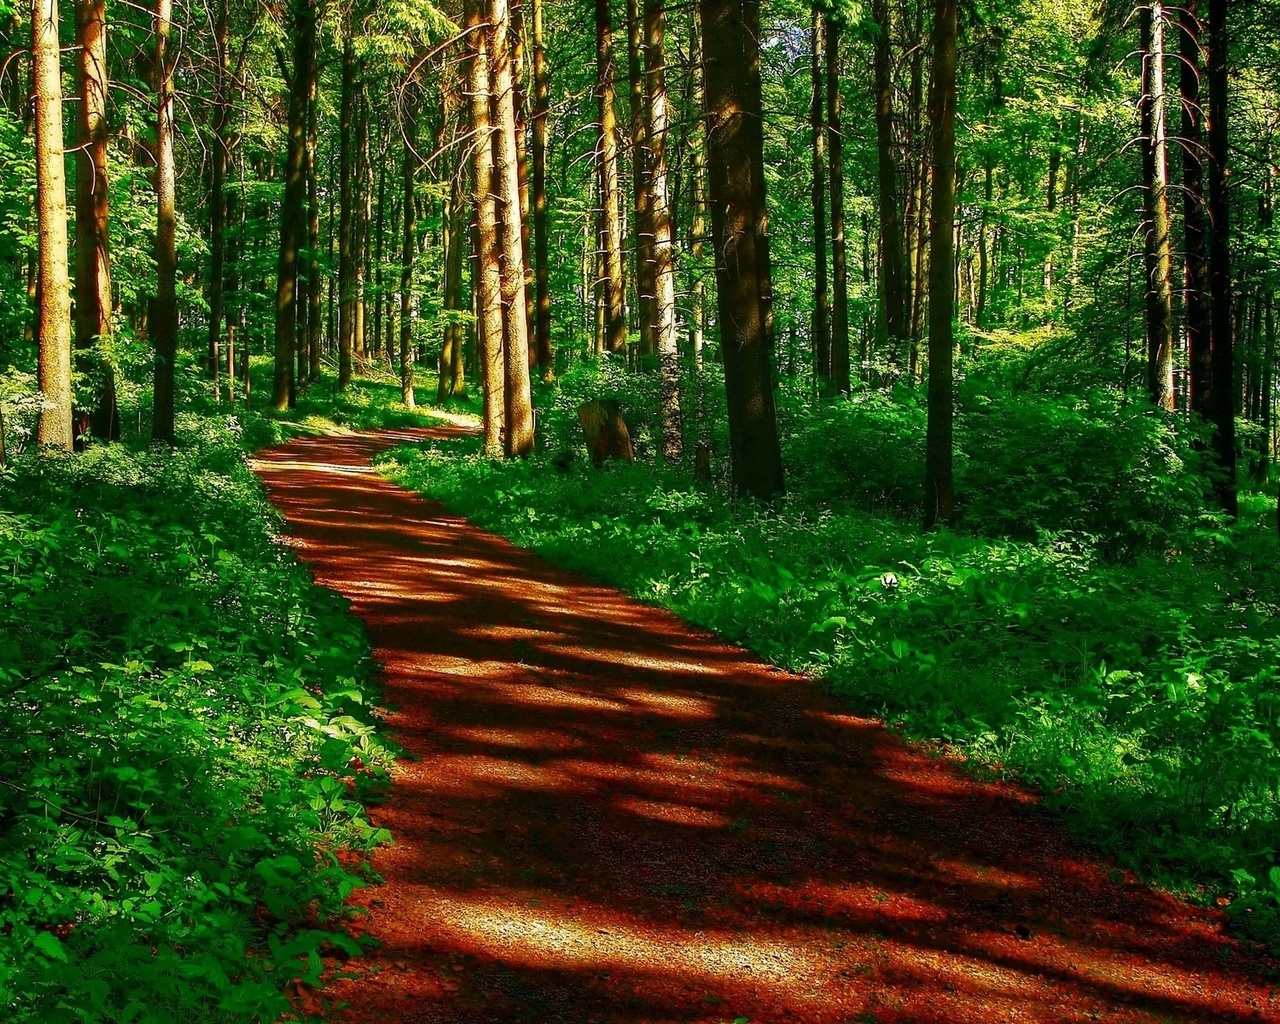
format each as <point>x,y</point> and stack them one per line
<point>518,436</point>
<point>840,368</point>
<point>360,243</point>
<point>939,499</point>
<point>293,215</point>
<point>1196,286</point>
<point>487,276</point>
<point>412,165</point>
<point>521,105</point>
<point>314,284</point>
<point>891,323</point>
<point>641,191</point>
<point>218,160</point>
<point>53,312</point>
<point>346,204</point>
<point>541,109</point>
<point>164,308</point>
<point>983,257</point>
<point>698,186</point>
<point>740,234</point>
<point>614,288</point>
<point>657,123</point>
<point>1159,247</point>
<point>451,365</point>
<point>1222,399</point>
<point>93,263</point>
<point>817,105</point>
<point>380,284</point>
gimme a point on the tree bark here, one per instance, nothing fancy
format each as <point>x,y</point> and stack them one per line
<point>1159,248</point>
<point>293,216</point>
<point>487,277</point>
<point>518,435</point>
<point>891,323</point>
<point>164,308</point>
<point>93,262</point>
<point>541,109</point>
<point>315,281</point>
<point>641,191</point>
<point>346,270</point>
<point>817,105</point>
<point>1196,272</point>
<point>698,187</point>
<point>664,328</point>
<point>1222,398</point>
<point>610,215</point>
<point>939,498</point>
<point>740,234</point>
<point>53,310</point>
<point>840,368</point>
<point>412,165</point>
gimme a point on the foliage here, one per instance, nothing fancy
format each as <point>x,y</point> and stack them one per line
<point>1139,695</point>
<point>189,738</point>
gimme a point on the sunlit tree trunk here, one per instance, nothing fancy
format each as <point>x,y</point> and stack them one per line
<point>740,240</point>
<point>487,276</point>
<point>518,435</point>
<point>939,499</point>
<point>293,215</point>
<point>610,233</point>
<point>346,267</point>
<point>640,189</point>
<point>93,264</point>
<point>1196,287</point>
<point>698,187</point>
<point>452,371</point>
<point>840,369</point>
<point>315,282</point>
<point>164,308</point>
<point>664,306</point>
<point>53,310</point>
<point>1155,162</point>
<point>541,108</point>
<point>412,165</point>
<point>817,105</point>
<point>1222,398</point>
<point>521,105</point>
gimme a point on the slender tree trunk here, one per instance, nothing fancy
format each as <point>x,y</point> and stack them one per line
<point>380,284</point>
<point>939,499</point>
<point>93,263</point>
<point>983,257</point>
<point>740,234</point>
<point>698,186</point>
<point>487,278</point>
<point>518,436</point>
<point>641,190</point>
<point>1196,276</point>
<point>451,365</point>
<point>360,228</point>
<point>521,105</point>
<point>840,368</point>
<point>817,104</point>
<point>1222,400</point>
<point>164,308</point>
<point>412,165</point>
<point>657,123</point>
<point>541,108</point>
<point>891,323</point>
<point>293,216</point>
<point>1156,174</point>
<point>610,215</point>
<point>346,266</point>
<point>53,312</point>
<point>315,284</point>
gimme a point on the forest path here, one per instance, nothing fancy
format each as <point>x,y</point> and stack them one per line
<point>612,817</point>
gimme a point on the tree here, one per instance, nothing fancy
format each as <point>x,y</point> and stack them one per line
<point>541,272</point>
<point>346,204</point>
<point>840,369</point>
<point>1196,288</point>
<point>53,312</point>
<point>164,307</point>
<point>657,122</point>
<point>892,322</point>
<point>1159,247</point>
<point>740,239</point>
<point>817,126</point>
<point>408,249</point>
<point>641,190</point>
<point>939,508</point>
<point>610,233</point>
<point>93,262</point>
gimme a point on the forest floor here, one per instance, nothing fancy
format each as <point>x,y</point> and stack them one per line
<point>609,816</point>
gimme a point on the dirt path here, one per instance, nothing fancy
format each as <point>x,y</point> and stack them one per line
<point>615,818</point>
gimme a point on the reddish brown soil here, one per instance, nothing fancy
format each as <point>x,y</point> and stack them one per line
<point>611,817</point>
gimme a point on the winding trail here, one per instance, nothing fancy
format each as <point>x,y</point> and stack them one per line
<point>612,817</point>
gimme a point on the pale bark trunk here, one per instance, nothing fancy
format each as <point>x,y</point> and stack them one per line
<point>164,309</point>
<point>346,273</point>
<point>643,213</point>
<point>541,108</point>
<point>698,186</point>
<point>1158,242</point>
<point>610,234</point>
<point>412,165</point>
<point>840,369</point>
<point>821,339</point>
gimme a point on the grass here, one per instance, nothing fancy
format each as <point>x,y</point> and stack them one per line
<point>1139,695</point>
<point>190,741</point>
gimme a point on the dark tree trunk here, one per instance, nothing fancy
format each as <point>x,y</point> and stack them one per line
<point>412,165</point>
<point>892,323</point>
<point>346,203</point>
<point>817,105</point>
<point>740,234</point>
<point>1196,276</point>
<point>541,108</point>
<point>641,192</point>
<point>164,308</point>
<point>840,368</point>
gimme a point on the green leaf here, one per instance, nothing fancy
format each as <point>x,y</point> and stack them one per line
<point>50,945</point>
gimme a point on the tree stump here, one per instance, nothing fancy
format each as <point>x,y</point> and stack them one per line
<point>606,432</point>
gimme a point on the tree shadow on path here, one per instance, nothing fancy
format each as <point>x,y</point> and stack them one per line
<point>610,816</point>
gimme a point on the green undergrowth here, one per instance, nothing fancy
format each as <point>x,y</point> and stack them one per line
<point>188,741</point>
<point>1135,685</point>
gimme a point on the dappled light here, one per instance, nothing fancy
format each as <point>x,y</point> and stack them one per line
<point>607,816</point>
